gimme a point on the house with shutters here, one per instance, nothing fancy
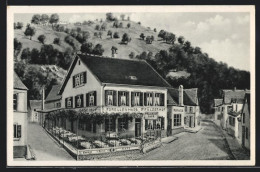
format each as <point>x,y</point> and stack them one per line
<point>183,109</point>
<point>245,122</point>
<point>20,121</point>
<point>33,108</point>
<point>217,110</point>
<point>114,87</point>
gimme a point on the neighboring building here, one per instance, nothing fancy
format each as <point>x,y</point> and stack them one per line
<point>232,99</point>
<point>115,87</point>
<point>183,109</point>
<point>33,108</point>
<point>217,110</point>
<point>245,121</point>
<point>19,118</point>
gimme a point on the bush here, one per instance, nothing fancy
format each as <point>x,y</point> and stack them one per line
<point>42,39</point>
<point>126,38</point>
<point>35,56</point>
<point>18,25</point>
<point>128,25</point>
<point>132,55</point>
<point>142,36</point>
<point>17,47</point>
<point>67,30</point>
<point>70,41</point>
<point>120,25</point>
<point>116,35</point>
<point>30,31</point>
<point>110,17</point>
<point>110,33</point>
<point>26,54</point>
<point>73,33</point>
<point>87,48</point>
<point>56,41</point>
<point>98,50</point>
<point>139,23</point>
<point>154,30</point>
<point>97,27</point>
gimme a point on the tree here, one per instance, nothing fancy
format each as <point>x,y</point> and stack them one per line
<point>36,19</point>
<point>42,38</point>
<point>48,55</point>
<point>181,40</point>
<point>98,50</point>
<point>109,33</point>
<point>74,33</point>
<point>139,23</point>
<point>114,49</point>
<point>44,18</point>
<point>19,25</point>
<point>65,58</point>
<point>116,35</point>
<point>142,36</point>
<point>14,25</point>
<point>154,30</point>
<point>26,54</point>
<point>126,38</point>
<point>95,34</point>
<point>132,55</point>
<point>54,19</point>
<point>128,18</point>
<point>97,27</point>
<point>162,34</point>
<point>122,16</point>
<point>30,31</point>
<point>17,47</point>
<point>68,39</point>
<point>110,17</point>
<point>116,24</point>
<point>100,35</point>
<point>56,41</point>
<point>78,29</point>
<point>128,25</point>
<point>67,30</point>
<point>197,50</point>
<point>35,56</point>
<point>148,40</point>
<point>152,38</point>
<point>120,25</point>
<point>87,48</point>
<point>103,26</point>
<point>170,38</point>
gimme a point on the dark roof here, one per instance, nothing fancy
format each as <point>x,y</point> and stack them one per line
<point>53,94</point>
<point>18,84</point>
<point>35,104</point>
<point>237,95</point>
<point>218,102</point>
<point>120,71</point>
<point>235,114</point>
<point>189,96</point>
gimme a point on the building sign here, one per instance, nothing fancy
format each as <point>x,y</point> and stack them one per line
<point>133,109</point>
<point>151,115</point>
<point>176,109</point>
<point>107,150</point>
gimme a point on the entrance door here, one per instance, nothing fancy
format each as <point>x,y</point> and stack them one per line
<point>243,135</point>
<point>137,127</point>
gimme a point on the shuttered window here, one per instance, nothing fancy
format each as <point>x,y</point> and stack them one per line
<point>69,102</point>
<point>123,98</point>
<point>110,98</point>
<point>79,79</point>
<point>91,98</point>
<point>17,131</point>
<point>79,101</point>
<point>136,99</point>
<point>148,99</point>
<point>110,124</point>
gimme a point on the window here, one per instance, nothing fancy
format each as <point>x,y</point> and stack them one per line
<point>17,131</point>
<point>110,124</point>
<point>177,120</point>
<point>247,133</point>
<point>123,99</point>
<point>69,102</point>
<point>122,124</point>
<point>79,79</point>
<point>157,99</point>
<point>191,109</point>
<point>15,101</point>
<point>110,98</point>
<point>58,104</point>
<point>223,109</point>
<point>136,99</point>
<point>79,101</point>
<point>232,121</point>
<point>149,99</point>
<point>91,99</point>
<point>219,109</point>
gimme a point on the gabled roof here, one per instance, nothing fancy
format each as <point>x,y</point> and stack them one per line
<point>218,102</point>
<point>237,95</point>
<point>119,71</point>
<point>35,104</point>
<point>18,84</point>
<point>53,94</point>
<point>189,96</point>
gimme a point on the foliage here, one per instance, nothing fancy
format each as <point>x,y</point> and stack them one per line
<point>132,55</point>
<point>87,48</point>
<point>70,41</point>
<point>26,54</point>
<point>41,38</point>
<point>36,19</point>
<point>142,36</point>
<point>29,31</point>
<point>109,33</point>
<point>116,35</point>
<point>56,41</point>
<point>128,25</point>
<point>44,18</point>
<point>126,38</point>
<point>120,25</point>
<point>154,30</point>
<point>139,23</point>
<point>116,24</point>
<point>98,50</point>
<point>181,40</point>
<point>110,17</point>
<point>54,19</point>
<point>122,16</point>
<point>97,27</point>
<point>35,54</point>
<point>103,27</point>
<point>18,25</point>
<point>100,35</point>
<point>17,47</point>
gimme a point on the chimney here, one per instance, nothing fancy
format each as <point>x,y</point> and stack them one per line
<point>43,98</point>
<point>180,95</point>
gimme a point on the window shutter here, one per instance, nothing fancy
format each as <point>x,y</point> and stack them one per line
<point>146,124</point>
<point>153,95</point>
<point>132,98</point>
<point>14,130</point>
<point>161,99</point>
<point>126,124</point>
<point>141,99</point>
<point>106,97</point>
<point>76,102</point>
<point>87,99</point>
<point>84,77</point>
<point>73,81</point>
<point>82,100</point>
<point>66,100</point>
<point>114,98</point>
<point>119,98</point>
<point>95,98</point>
<point>113,124</point>
<point>127,98</point>
<point>154,124</point>
<point>71,102</point>
<point>145,99</point>
<point>19,131</point>
<point>162,123</point>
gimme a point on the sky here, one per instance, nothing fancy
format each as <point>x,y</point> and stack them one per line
<point>224,36</point>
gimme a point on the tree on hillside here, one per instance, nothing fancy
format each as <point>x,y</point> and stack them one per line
<point>48,55</point>
<point>65,58</point>
<point>125,38</point>
<point>154,30</point>
<point>120,25</point>
<point>116,24</point>
<point>35,56</point>
<point>122,16</point>
<point>29,31</point>
<point>26,55</point>
<point>139,23</point>
<point>128,25</point>
<point>128,18</point>
<point>197,50</point>
<point>116,35</point>
<point>73,33</point>
<point>54,19</point>
<point>97,27</point>
<point>142,36</point>
<point>44,18</point>
<point>42,38</point>
<point>95,34</point>
<point>152,38</point>
<point>56,41</point>
<point>110,17</point>
<point>162,34</point>
<point>18,25</point>
<point>109,33</point>
<point>170,38</point>
<point>36,19</point>
<point>103,27</point>
<point>181,40</point>
<point>132,55</point>
<point>148,40</point>
<point>83,36</point>
<point>87,48</point>
<point>67,30</point>
<point>100,35</point>
<point>98,50</point>
<point>17,47</point>
<point>78,29</point>
<point>68,39</point>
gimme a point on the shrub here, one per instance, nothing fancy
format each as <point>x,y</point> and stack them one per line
<point>56,41</point>
<point>70,41</point>
<point>98,50</point>
<point>128,25</point>
<point>42,39</point>
<point>132,55</point>
<point>87,48</point>
<point>97,27</point>
<point>116,35</point>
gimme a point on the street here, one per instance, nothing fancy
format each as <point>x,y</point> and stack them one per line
<point>207,144</point>
<point>44,147</point>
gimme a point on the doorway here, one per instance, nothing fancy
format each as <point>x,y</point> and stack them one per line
<point>137,127</point>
